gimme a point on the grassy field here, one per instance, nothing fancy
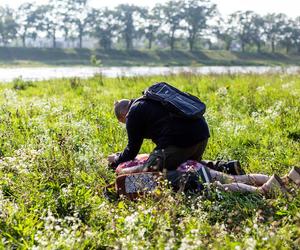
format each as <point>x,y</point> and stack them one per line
<point>55,136</point>
<point>63,57</point>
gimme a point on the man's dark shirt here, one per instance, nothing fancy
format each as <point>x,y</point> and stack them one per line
<point>148,119</point>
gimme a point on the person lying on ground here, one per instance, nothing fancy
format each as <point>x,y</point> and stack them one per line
<point>253,183</point>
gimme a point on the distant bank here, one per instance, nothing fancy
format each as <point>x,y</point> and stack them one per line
<point>69,57</point>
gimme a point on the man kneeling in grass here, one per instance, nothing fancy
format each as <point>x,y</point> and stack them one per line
<point>177,140</point>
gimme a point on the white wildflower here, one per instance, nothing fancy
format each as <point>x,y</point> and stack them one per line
<point>131,220</point>
<point>194,231</point>
<point>222,91</point>
<point>287,85</point>
<point>10,96</point>
<point>250,244</point>
<point>60,232</point>
<point>260,89</point>
<point>238,128</point>
<point>255,114</point>
<point>142,232</point>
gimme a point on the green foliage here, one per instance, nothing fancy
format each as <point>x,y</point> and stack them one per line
<point>95,61</point>
<point>8,26</point>
<point>54,139</point>
<point>75,82</point>
<point>197,13</point>
<point>19,84</point>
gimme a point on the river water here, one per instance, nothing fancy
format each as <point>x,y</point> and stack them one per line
<point>43,73</point>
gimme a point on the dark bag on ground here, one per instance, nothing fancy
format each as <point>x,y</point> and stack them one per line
<point>177,102</point>
<point>232,167</point>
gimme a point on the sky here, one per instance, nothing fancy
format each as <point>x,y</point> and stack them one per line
<point>289,7</point>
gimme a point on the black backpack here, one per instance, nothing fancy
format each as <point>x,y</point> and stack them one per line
<point>177,102</point>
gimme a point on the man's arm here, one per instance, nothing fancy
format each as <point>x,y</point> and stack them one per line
<point>134,129</point>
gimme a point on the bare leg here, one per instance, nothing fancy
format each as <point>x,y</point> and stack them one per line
<point>251,179</point>
<point>239,187</point>
<point>272,187</point>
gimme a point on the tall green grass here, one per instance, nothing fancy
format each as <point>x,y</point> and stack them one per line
<point>55,136</point>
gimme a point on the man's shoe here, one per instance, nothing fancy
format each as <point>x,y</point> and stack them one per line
<point>235,168</point>
<point>232,167</point>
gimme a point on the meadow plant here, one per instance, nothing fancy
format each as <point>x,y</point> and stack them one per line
<point>55,136</point>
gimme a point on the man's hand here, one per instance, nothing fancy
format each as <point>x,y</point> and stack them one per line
<point>111,158</point>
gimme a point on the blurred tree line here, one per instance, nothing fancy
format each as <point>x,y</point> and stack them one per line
<point>188,24</point>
